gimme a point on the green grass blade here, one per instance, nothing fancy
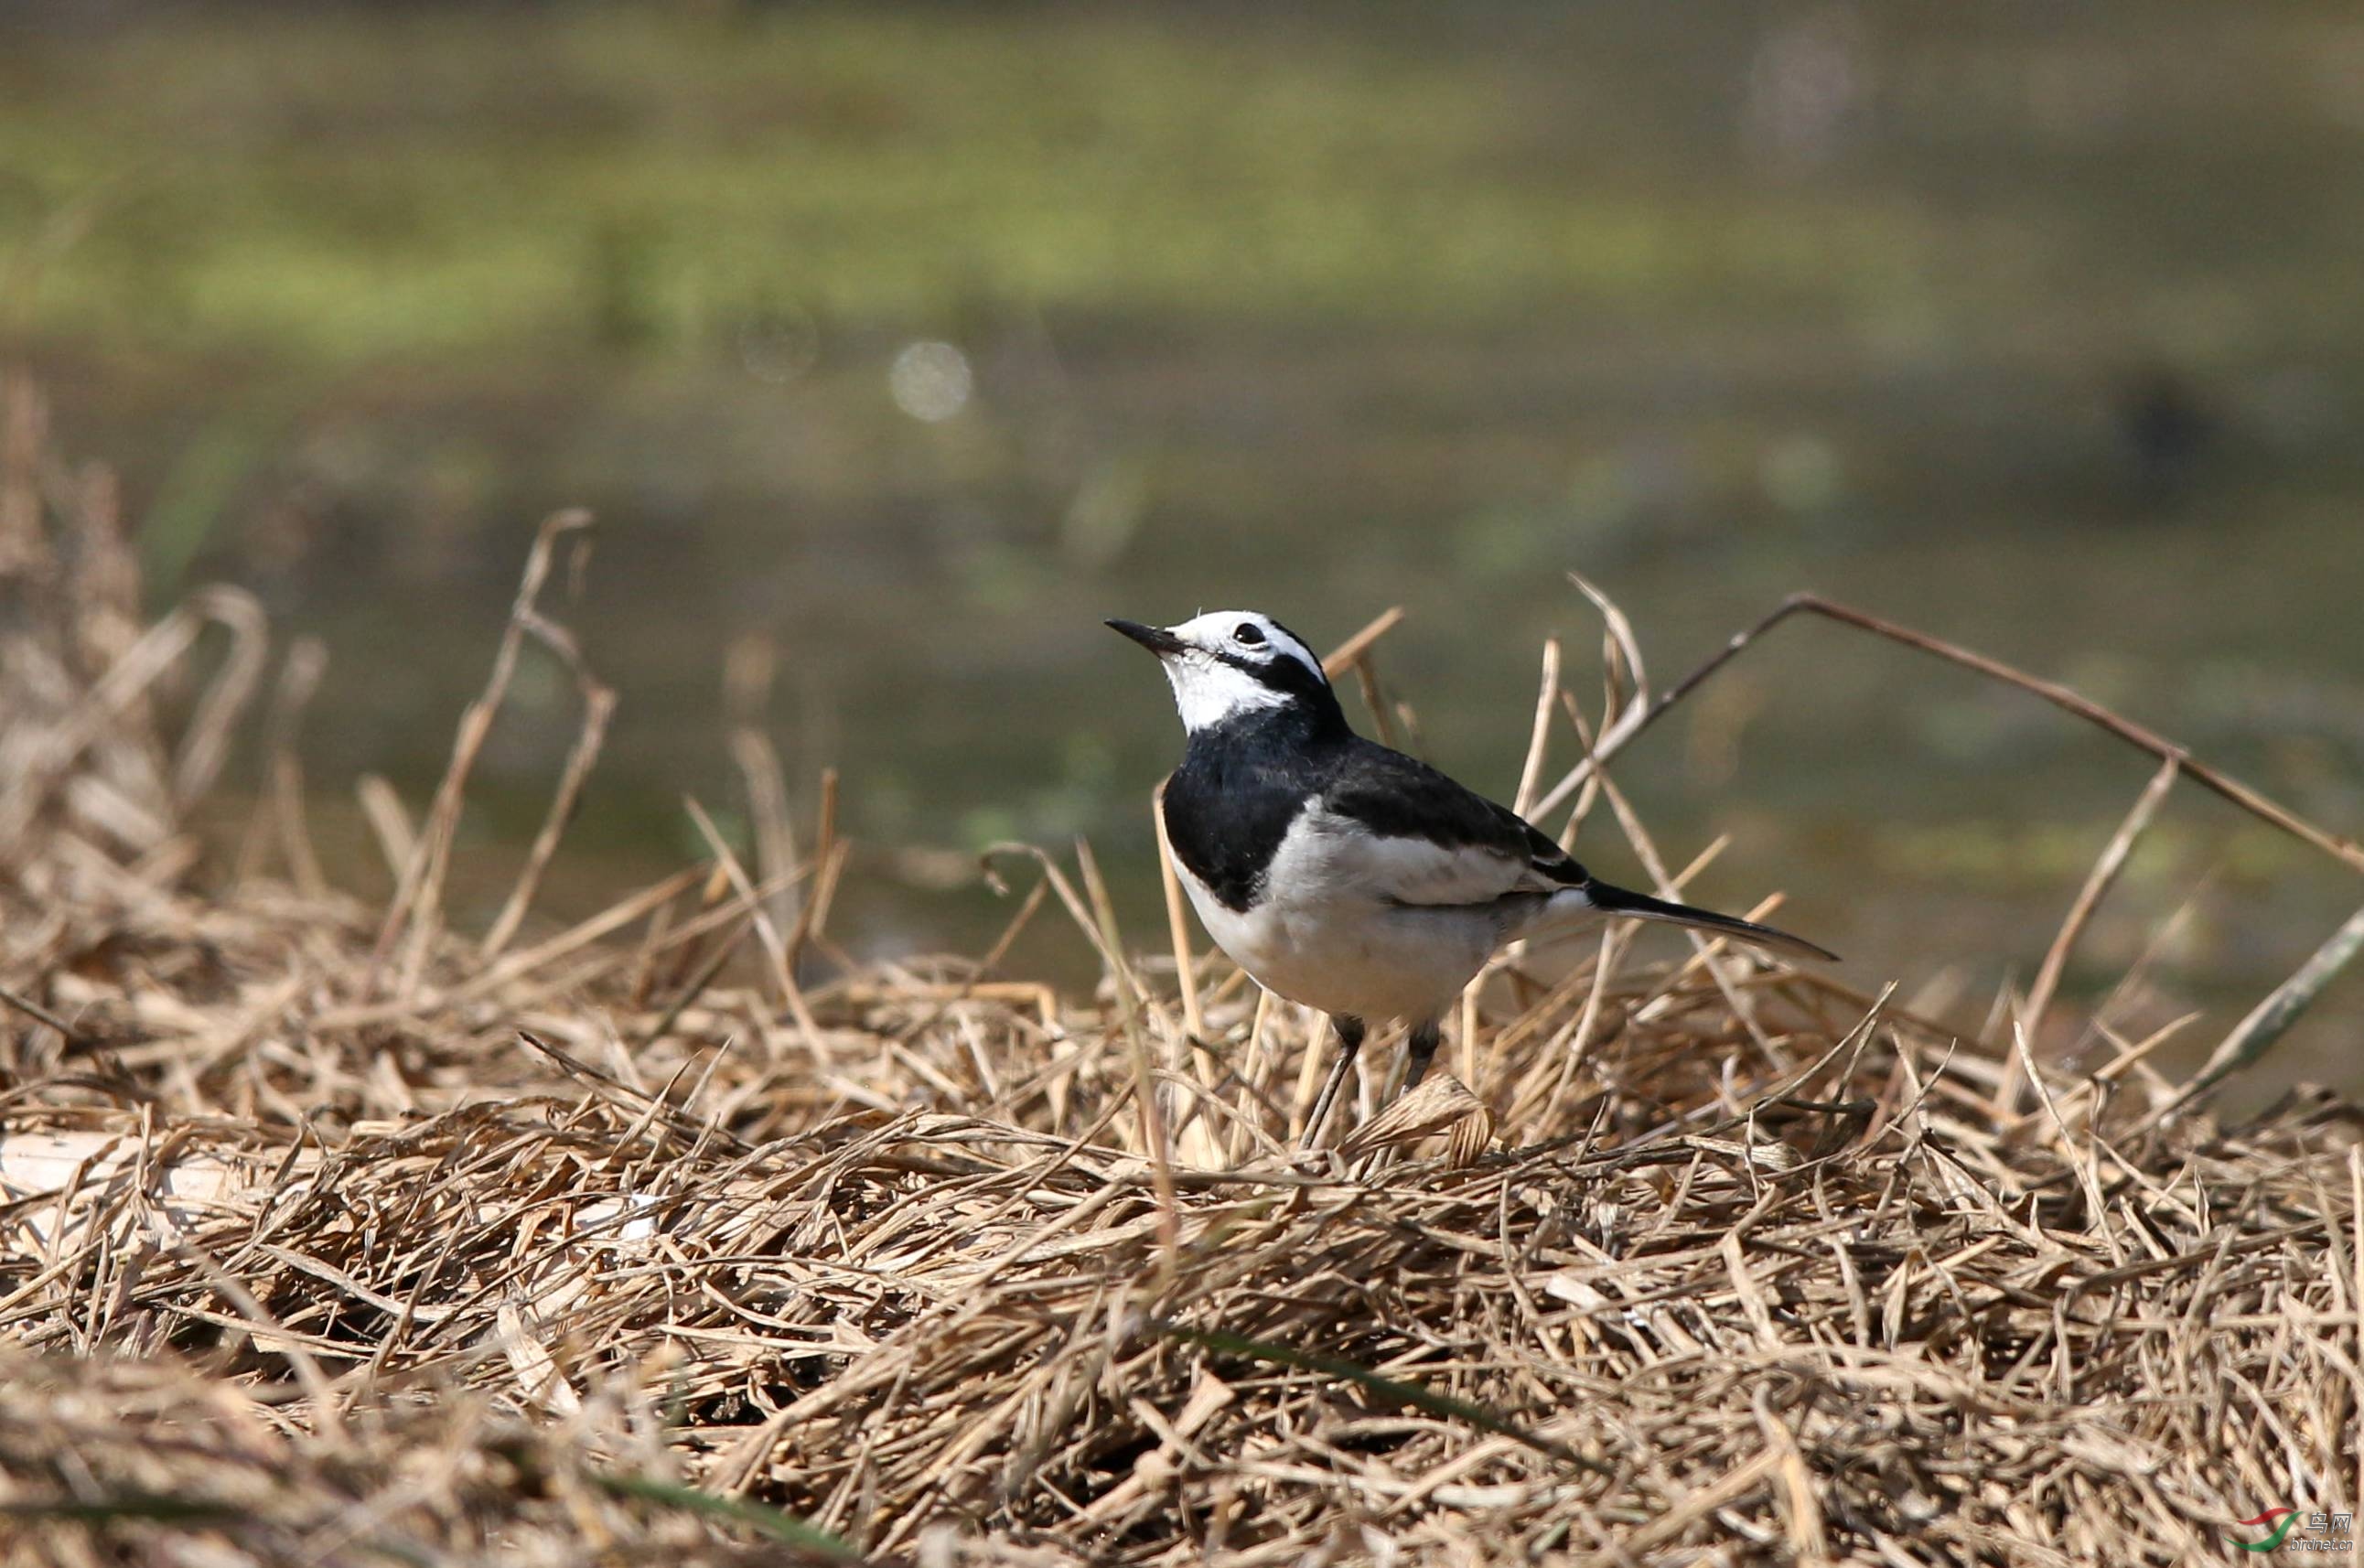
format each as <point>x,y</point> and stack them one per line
<point>1403,1393</point>
<point>783,1528</point>
<point>163,1506</point>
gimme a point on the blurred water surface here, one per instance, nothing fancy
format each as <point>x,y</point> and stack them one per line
<point>918,341</point>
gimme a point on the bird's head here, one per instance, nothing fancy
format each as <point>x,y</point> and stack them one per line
<point>1229,663</point>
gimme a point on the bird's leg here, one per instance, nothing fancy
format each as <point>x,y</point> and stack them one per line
<point>1420,1053</point>
<point>1350,1041</point>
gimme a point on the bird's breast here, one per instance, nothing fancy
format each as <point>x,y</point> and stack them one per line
<point>1317,932</point>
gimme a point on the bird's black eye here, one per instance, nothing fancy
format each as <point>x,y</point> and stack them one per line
<point>1248,632</point>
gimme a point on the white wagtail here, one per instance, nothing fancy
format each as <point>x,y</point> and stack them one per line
<point>1345,876</point>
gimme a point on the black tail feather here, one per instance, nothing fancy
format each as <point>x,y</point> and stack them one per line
<point>1610,899</point>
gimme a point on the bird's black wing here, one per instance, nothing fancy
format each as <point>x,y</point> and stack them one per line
<point>1420,838</point>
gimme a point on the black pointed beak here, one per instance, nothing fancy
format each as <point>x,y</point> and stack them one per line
<point>1157,639</point>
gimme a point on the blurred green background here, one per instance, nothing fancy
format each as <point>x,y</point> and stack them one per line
<point>921,339</point>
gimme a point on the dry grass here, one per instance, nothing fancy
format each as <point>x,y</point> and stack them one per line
<point>332,1235</point>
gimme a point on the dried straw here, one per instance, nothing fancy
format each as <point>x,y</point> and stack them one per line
<point>580,1250</point>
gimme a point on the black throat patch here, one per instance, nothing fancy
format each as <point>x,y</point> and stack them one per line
<point>1241,785</point>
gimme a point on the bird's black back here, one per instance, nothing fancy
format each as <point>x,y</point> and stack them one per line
<point>1396,796</point>
<point>1243,784</point>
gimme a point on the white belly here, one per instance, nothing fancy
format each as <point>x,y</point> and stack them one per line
<point>1319,938</point>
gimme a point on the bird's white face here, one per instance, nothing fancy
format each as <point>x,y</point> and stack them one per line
<point>1228,662</point>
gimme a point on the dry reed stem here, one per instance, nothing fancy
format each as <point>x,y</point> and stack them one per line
<point>1539,736</point>
<point>49,754</point>
<point>2265,1023</point>
<point>2096,885</point>
<point>784,968</point>
<point>748,671</point>
<point>2339,846</point>
<point>599,707</point>
<point>1177,925</point>
<point>417,906</point>
<point>280,816</point>
<point>1350,652</point>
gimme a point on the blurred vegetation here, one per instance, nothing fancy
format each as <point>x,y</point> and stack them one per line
<point>653,177</point>
<point>349,182</point>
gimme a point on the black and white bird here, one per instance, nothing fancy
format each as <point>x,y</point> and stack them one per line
<point>1345,876</point>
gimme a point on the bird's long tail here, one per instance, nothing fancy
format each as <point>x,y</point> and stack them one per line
<point>1595,898</point>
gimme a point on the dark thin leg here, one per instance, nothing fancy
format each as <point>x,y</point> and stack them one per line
<point>1350,1041</point>
<point>1420,1053</point>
